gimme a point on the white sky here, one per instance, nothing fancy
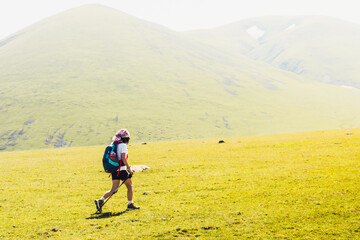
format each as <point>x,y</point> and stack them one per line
<point>178,14</point>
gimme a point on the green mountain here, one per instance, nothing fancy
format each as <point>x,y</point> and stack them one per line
<point>77,77</point>
<point>320,48</point>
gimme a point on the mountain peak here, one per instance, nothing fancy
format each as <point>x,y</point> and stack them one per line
<point>68,80</point>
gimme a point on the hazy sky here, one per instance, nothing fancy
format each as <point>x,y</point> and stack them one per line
<point>178,14</point>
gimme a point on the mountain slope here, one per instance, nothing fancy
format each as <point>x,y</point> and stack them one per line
<point>77,77</point>
<point>321,48</point>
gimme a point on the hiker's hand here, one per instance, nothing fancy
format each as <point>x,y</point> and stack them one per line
<point>130,170</point>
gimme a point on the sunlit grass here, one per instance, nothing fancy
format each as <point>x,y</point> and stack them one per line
<point>295,186</point>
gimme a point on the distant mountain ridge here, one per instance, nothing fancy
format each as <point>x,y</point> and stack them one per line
<point>77,77</point>
<point>321,48</point>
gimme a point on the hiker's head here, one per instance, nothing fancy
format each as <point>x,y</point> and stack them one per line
<point>122,135</point>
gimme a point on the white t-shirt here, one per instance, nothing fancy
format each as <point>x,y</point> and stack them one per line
<point>122,148</point>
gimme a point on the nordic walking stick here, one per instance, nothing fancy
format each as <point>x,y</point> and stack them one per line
<point>100,210</point>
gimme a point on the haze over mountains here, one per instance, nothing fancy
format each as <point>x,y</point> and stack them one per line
<point>320,48</point>
<point>75,78</point>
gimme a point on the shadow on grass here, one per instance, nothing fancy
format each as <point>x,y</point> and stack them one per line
<point>105,215</point>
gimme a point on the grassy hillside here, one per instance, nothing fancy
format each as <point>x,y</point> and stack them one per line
<point>77,77</point>
<point>320,48</point>
<point>294,186</point>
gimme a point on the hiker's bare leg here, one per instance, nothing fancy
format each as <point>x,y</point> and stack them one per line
<point>115,185</point>
<point>128,184</point>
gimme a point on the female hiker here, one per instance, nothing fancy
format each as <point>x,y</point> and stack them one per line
<point>121,138</point>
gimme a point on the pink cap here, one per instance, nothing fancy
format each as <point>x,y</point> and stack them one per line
<point>123,133</point>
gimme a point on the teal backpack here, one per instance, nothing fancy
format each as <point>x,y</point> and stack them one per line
<point>110,159</point>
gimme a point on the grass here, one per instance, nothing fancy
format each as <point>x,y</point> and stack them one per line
<point>294,186</point>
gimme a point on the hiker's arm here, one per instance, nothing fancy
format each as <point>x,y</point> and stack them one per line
<point>123,157</point>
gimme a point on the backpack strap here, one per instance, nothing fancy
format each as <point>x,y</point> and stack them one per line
<point>119,167</point>
<point>120,161</point>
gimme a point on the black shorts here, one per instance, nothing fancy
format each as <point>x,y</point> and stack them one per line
<point>123,174</point>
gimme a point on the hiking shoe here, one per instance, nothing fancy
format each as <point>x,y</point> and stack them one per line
<point>131,207</point>
<point>99,203</point>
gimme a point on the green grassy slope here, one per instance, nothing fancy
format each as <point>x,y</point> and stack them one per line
<point>320,48</point>
<point>294,186</point>
<point>75,78</point>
